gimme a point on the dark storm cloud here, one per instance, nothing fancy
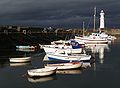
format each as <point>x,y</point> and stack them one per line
<point>57,12</point>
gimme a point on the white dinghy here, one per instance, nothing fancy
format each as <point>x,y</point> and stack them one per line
<point>20,59</point>
<point>70,65</point>
<point>41,72</point>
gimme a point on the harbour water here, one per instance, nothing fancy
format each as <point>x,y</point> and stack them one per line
<point>103,73</point>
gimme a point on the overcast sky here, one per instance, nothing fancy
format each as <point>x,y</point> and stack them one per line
<point>59,13</point>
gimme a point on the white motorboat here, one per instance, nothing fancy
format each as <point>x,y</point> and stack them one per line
<point>68,57</point>
<point>41,72</point>
<point>106,36</point>
<point>68,50</point>
<point>94,38</point>
<point>72,47</point>
<point>20,59</point>
<point>69,65</point>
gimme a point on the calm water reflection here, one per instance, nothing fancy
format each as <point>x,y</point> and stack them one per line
<point>101,74</point>
<point>41,79</point>
<point>99,51</point>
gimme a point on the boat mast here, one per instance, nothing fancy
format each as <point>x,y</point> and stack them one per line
<point>83,27</point>
<point>94,18</point>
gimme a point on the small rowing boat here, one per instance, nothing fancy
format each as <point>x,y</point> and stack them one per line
<point>70,65</point>
<point>20,59</point>
<point>41,72</point>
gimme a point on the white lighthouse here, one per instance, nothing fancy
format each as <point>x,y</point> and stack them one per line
<point>102,23</point>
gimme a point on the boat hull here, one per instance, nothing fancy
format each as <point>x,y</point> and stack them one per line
<point>41,72</point>
<point>78,57</point>
<point>20,60</point>
<point>68,50</point>
<point>92,39</point>
<point>96,42</point>
<point>26,48</point>
<point>61,66</point>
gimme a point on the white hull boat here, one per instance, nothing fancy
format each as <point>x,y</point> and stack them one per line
<point>67,57</point>
<point>41,72</point>
<point>95,38</point>
<point>68,50</point>
<point>106,36</point>
<point>70,65</point>
<point>69,71</point>
<point>20,59</point>
<point>95,41</point>
<point>25,48</point>
<point>72,47</point>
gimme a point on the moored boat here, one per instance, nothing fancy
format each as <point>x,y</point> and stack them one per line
<point>26,48</point>
<point>70,47</point>
<point>41,72</point>
<point>68,57</point>
<point>69,71</point>
<point>68,50</point>
<point>69,65</point>
<point>20,59</point>
<point>94,38</point>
